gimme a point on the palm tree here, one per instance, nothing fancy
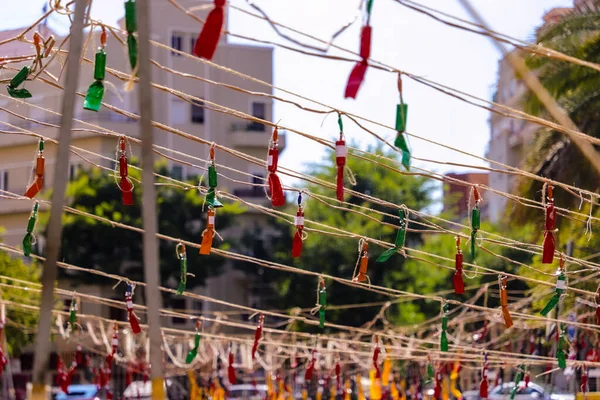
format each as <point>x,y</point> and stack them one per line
<point>577,90</point>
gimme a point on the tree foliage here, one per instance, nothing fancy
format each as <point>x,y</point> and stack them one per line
<point>575,87</point>
<point>20,322</point>
<point>94,244</point>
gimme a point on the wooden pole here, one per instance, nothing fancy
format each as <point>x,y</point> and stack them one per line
<point>151,245</point>
<point>54,232</point>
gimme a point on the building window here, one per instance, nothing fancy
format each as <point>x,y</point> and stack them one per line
<point>192,43</point>
<point>197,112</point>
<point>178,112</point>
<point>4,180</point>
<point>177,172</point>
<point>176,43</point>
<point>259,110</point>
<point>178,305</point>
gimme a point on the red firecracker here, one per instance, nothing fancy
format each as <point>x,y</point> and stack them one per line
<point>457,278</point>
<point>133,319</point>
<point>207,41</point>
<point>275,188</point>
<point>341,151</point>
<point>376,353</point>
<point>299,222</point>
<point>483,386</point>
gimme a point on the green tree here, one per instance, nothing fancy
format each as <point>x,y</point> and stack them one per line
<point>575,87</point>
<point>20,322</point>
<point>97,244</point>
<point>337,256</point>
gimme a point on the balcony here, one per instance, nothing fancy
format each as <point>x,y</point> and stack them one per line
<point>253,134</point>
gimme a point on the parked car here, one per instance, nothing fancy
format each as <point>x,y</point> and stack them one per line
<point>532,392</point>
<point>138,390</point>
<point>82,392</point>
<point>247,392</point>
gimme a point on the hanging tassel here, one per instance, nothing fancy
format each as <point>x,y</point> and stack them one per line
<point>131,28</point>
<point>322,304</point>
<point>257,335</point>
<point>207,41</point>
<point>194,350</point>
<point>558,291</point>
<point>550,225</point>
<point>15,82</point>
<point>209,233</point>
<point>518,379</point>
<point>299,222</point>
<point>29,239</point>
<point>437,389</point>
<point>502,280</point>
<point>79,355</point>
<point>400,236</point>
<point>387,370</point>
<point>95,93</point>
<point>360,69</point>
<point>275,188</point>
<point>38,182</point>
<point>453,378</point>
<point>443,336</point>
<point>430,370</point>
<point>401,115</point>
<point>560,352</point>
<point>376,353</point>
<point>311,366</point>
<point>338,377</point>
<point>211,195</point>
<point>230,369</point>
<point>483,386</point>
<point>341,152</point>
<point>364,262</point>
<point>125,184</point>
<point>457,278</point>
<point>61,376</point>
<point>584,388</point>
<point>73,314</point>
<point>182,256</point>
<point>133,319</point>
<point>475,221</point>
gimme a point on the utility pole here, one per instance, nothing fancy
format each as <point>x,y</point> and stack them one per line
<point>54,232</point>
<point>151,245</point>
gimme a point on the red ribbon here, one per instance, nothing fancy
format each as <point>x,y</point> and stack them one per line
<point>124,183</point>
<point>133,319</point>
<point>360,69</point>
<point>275,188</point>
<point>483,388</point>
<point>230,369</point>
<point>457,279</point>
<point>297,242</point>
<point>257,335</point>
<point>376,361</point>
<point>207,41</point>
<point>437,390</point>
<point>311,366</point>
<point>338,370</point>
<point>340,161</point>
<point>549,241</point>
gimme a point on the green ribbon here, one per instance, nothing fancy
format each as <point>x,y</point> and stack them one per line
<point>443,336</point>
<point>183,277</point>
<point>28,239</point>
<point>15,82</point>
<point>194,351</point>
<point>73,314</point>
<point>518,378</point>
<point>400,238</point>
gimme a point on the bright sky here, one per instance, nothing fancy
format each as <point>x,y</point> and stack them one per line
<point>401,37</point>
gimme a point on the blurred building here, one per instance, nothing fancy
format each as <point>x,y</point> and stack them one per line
<point>456,196</point>
<point>509,137</point>
<point>171,27</point>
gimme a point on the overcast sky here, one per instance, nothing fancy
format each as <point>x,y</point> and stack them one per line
<point>401,37</point>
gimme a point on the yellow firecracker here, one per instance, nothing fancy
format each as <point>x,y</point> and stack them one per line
<point>445,393</point>
<point>359,388</point>
<point>375,389</point>
<point>394,391</point>
<point>348,389</point>
<point>453,378</point>
<point>386,372</point>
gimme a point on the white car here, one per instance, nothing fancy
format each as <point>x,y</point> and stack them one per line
<point>532,392</point>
